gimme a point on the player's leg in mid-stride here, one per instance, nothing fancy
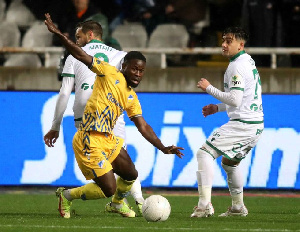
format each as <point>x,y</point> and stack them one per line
<point>124,185</point>
<point>136,189</point>
<point>205,176</point>
<point>235,185</point>
<point>95,153</point>
<point>233,146</point>
<point>136,193</point>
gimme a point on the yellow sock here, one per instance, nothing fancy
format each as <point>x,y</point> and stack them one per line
<point>89,191</point>
<point>123,188</point>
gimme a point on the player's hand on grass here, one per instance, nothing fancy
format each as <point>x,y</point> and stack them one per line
<point>209,109</point>
<point>173,150</point>
<point>51,137</point>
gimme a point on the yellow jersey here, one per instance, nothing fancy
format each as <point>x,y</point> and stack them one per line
<point>110,97</point>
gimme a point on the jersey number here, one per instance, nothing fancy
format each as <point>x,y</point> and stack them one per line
<point>258,82</point>
<point>102,57</point>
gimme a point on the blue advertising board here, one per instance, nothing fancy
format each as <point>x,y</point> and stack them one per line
<point>176,118</point>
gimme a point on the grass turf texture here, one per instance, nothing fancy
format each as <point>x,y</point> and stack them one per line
<point>38,212</point>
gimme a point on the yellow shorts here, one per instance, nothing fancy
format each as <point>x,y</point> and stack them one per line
<point>95,151</point>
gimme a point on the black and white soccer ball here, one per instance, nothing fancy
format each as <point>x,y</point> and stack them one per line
<point>156,208</point>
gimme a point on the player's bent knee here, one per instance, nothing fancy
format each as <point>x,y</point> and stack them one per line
<point>229,162</point>
<point>130,175</point>
<point>109,190</point>
<point>107,183</point>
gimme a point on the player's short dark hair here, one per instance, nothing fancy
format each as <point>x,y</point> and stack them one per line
<point>91,25</point>
<point>237,32</point>
<point>134,55</point>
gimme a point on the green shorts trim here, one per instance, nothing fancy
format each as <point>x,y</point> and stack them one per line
<point>222,153</point>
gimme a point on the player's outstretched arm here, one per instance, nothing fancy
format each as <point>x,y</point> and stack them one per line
<point>62,102</point>
<point>146,130</point>
<point>75,50</point>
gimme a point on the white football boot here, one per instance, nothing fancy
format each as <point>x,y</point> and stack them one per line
<point>242,212</point>
<point>207,212</point>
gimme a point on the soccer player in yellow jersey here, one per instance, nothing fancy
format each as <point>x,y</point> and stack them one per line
<point>98,151</point>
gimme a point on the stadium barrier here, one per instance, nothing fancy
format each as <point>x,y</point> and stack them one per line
<point>163,52</point>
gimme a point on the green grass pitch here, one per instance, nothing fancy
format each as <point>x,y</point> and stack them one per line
<point>37,211</point>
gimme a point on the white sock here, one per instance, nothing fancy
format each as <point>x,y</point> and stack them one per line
<point>118,206</point>
<point>136,191</point>
<point>67,194</point>
<point>205,176</point>
<point>235,184</point>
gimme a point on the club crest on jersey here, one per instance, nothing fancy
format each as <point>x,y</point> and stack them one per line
<point>130,98</point>
<point>117,82</point>
<point>236,80</point>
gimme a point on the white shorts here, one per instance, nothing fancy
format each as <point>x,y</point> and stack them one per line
<point>234,140</point>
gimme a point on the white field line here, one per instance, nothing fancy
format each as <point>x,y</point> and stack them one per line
<point>146,228</point>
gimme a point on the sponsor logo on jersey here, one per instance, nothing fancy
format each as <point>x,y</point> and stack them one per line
<point>85,86</point>
<point>254,107</point>
<point>113,100</point>
<point>235,80</point>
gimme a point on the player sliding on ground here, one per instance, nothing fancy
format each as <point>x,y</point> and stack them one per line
<point>98,151</point>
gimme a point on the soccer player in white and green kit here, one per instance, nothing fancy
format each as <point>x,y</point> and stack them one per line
<point>77,75</point>
<point>233,141</point>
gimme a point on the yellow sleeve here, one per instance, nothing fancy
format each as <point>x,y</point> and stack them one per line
<point>99,67</point>
<point>134,109</point>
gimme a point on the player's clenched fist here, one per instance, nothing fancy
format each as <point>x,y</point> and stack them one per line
<point>203,84</point>
<point>209,109</point>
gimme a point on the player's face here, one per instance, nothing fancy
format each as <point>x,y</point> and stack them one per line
<point>231,46</point>
<point>133,71</point>
<point>81,38</point>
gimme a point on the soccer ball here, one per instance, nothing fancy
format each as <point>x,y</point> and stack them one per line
<point>156,208</point>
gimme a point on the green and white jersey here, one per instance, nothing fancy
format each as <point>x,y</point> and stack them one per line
<point>77,74</point>
<point>84,77</point>
<point>242,75</point>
